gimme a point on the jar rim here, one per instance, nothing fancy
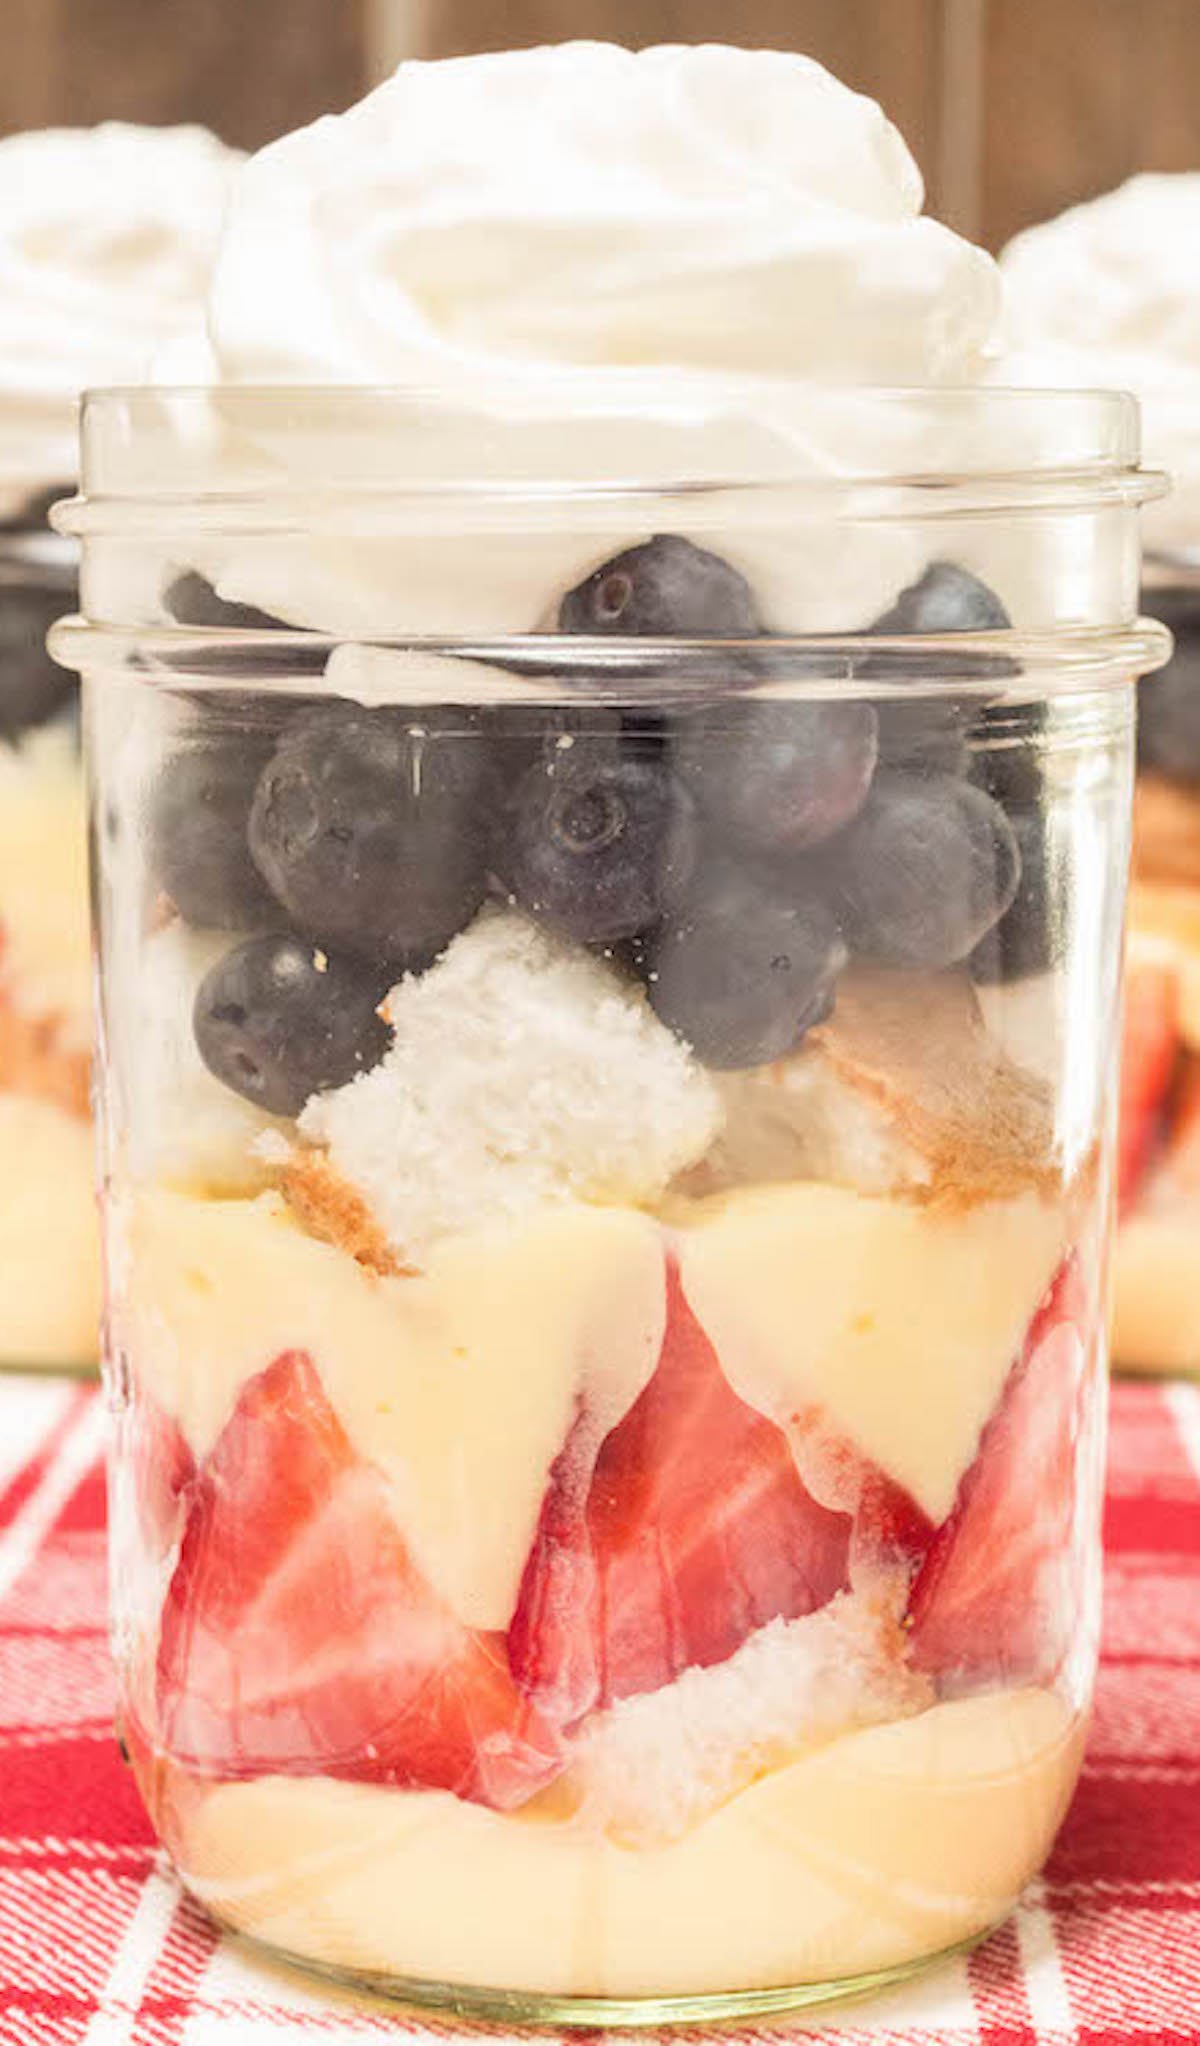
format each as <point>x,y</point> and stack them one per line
<point>988,666</point>
<point>258,457</point>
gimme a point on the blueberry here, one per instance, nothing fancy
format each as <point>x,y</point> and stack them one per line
<point>947,598</point>
<point>1030,935</point>
<point>33,688</point>
<point>773,778</point>
<point>191,600</point>
<point>924,872</point>
<point>744,968</point>
<point>198,820</point>
<point>929,736</point>
<point>521,734</point>
<point>597,841</point>
<point>666,588</point>
<point>1169,702</point>
<point>371,828</point>
<point>277,1020</point>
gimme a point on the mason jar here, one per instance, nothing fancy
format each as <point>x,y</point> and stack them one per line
<point>608,1012</point>
<point>49,1251</point>
<point>1155,1326</point>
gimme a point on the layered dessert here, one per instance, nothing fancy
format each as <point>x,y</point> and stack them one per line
<point>612,1352</point>
<point>105,240</point>
<point>1103,295</point>
<point>605,1254</point>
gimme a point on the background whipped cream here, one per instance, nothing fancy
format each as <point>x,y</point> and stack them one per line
<point>107,237</point>
<point>1108,294</point>
<point>589,265</point>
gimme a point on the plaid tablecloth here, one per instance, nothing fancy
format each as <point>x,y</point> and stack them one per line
<point>98,1946</point>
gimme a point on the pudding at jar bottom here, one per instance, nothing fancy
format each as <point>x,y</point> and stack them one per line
<point>49,1250</point>
<point>1158,1244</point>
<point>606,1178</point>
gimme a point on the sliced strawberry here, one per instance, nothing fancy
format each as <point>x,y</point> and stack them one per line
<point>299,1637</point>
<point>890,1533</point>
<point>162,1467</point>
<point>691,1530</point>
<point>1149,1049</point>
<point>993,1597</point>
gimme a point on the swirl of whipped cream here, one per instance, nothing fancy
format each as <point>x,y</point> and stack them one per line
<point>1107,294</point>
<point>587,208</point>
<point>107,237</point>
<point>588,265</point>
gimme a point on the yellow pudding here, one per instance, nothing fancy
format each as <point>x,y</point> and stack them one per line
<point>49,1245</point>
<point>886,1845</point>
<point>461,1385</point>
<point>900,1320</point>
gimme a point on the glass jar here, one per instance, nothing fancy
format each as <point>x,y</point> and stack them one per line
<point>1156,1328</point>
<point>49,1251</point>
<point>608,1023</point>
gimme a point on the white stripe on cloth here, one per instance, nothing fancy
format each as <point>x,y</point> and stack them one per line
<point>29,1409</point>
<point>111,2024</point>
<point>82,1444</point>
<point>1183,1402</point>
<point>1041,1964</point>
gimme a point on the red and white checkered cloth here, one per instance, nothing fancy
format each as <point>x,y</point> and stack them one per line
<point>99,1948</point>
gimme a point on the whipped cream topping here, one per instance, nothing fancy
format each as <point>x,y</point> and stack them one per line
<point>1107,294</point>
<point>588,265</point>
<point>588,208</point>
<point>107,237</point>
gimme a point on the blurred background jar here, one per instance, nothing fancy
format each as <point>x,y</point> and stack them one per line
<point>49,1282</point>
<point>1100,295</point>
<point>106,239</point>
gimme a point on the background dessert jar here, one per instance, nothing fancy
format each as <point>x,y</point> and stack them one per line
<point>106,235</point>
<point>1100,296</point>
<point>1158,1246</point>
<point>49,1250</point>
<point>606,1081</point>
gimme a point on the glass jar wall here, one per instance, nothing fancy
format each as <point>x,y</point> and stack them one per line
<point>609,1003</point>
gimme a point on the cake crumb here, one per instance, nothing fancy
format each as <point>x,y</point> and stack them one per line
<point>651,1767</point>
<point>523,1073</point>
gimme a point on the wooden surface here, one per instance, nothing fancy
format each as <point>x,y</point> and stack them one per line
<point>1014,108</point>
<point>248,68</point>
<point>1080,94</point>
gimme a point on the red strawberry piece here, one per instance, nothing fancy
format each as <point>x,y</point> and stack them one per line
<point>890,1533</point>
<point>1149,1050</point>
<point>299,1637</point>
<point>161,1467</point>
<point>994,1596</point>
<point>692,1530</point>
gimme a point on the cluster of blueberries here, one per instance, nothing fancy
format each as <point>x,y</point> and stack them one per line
<point>732,851</point>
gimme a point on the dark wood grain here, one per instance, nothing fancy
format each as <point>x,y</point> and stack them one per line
<point>250,69</point>
<point>1074,94</point>
<point>1081,94</point>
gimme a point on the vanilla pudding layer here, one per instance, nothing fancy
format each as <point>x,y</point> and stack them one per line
<point>49,1249</point>
<point>901,1321</point>
<point>880,1848</point>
